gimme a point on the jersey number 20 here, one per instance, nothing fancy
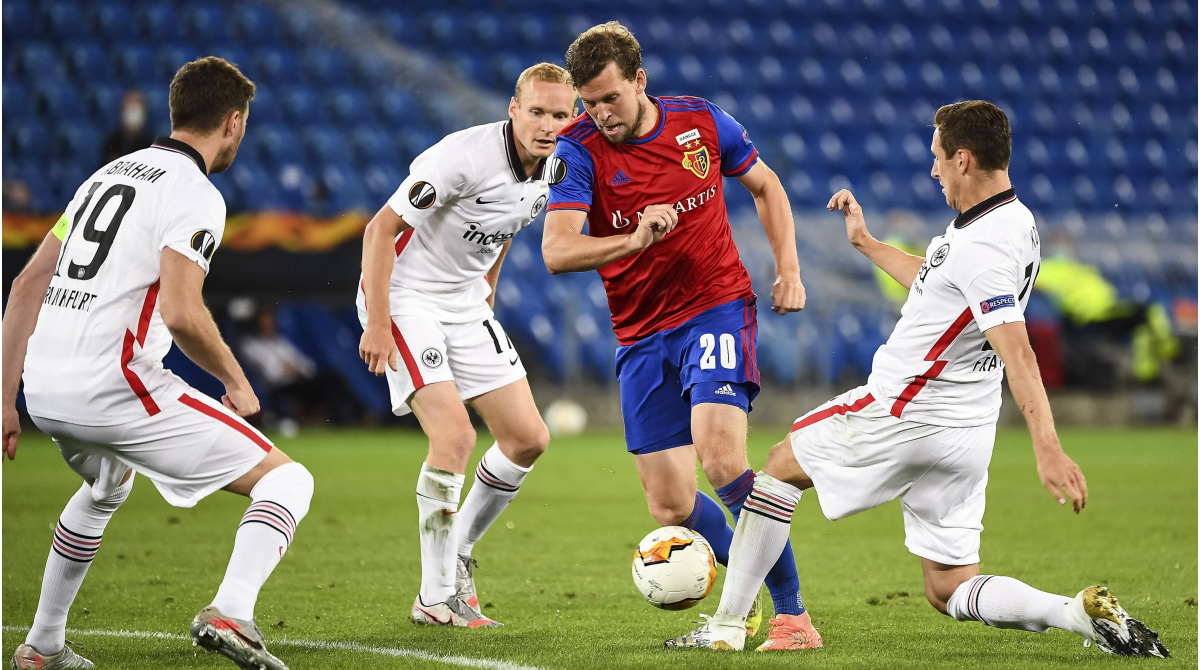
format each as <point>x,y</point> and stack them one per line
<point>103,238</point>
<point>728,352</point>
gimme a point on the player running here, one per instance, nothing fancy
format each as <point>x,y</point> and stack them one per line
<point>89,320</point>
<point>922,428</point>
<point>431,258</point>
<point>683,308</point>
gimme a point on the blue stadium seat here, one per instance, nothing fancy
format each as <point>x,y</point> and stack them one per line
<point>19,21</point>
<point>203,22</point>
<point>323,66</point>
<point>265,107</point>
<point>273,65</point>
<point>381,181</point>
<point>18,104</point>
<point>156,21</point>
<point>59,100</point>
<point>275,143</point>
<point>64,19</point>
<point>325,144</point>
<point>132,64</point>
<point>345,190</point>
<point>81,142</point>
<point>111,21</point>
<point>372,145</point>
<point>298,25</point>
<point>253,24</point>
<point>396,106</point>
<point>302,105</point>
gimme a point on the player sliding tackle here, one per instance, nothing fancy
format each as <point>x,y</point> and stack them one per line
<point>922,428</point>
<point>644,175</point>
<point>89,321</point>
<point>431,259</point>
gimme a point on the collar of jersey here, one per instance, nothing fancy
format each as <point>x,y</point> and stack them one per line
<point>168,144</point>
<point>662,120</point>
<point>514,158</point>
<point>1002,198</point>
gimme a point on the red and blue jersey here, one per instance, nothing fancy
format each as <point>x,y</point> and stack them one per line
<point>681,162</point>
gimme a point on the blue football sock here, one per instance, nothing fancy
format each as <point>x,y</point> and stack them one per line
<point>708,519</point>
<point>782,581</point>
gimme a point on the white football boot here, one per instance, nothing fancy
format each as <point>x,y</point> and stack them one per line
<point>239,640</point>
<point>1096,614</point>
<point>453,612</point>
<point>27,657</point>
<point>722,631</point>
<point>464,587</point>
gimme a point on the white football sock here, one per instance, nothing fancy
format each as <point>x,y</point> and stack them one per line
<point>438,492</point>
<point>497,480</point>
<point>76,540</point>
<point>280,500</point>
<point>758,541</point>
<point>1004,602</point>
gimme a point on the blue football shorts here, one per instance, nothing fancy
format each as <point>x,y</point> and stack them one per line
<point>709,358</point>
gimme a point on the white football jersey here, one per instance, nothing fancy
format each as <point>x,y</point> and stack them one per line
<point>464,198</point>
<point>95,356</point>
<point>937,367</point>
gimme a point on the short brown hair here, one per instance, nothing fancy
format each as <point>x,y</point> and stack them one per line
<point>600,45</point>
<point>979,127</point>
<point>547,72</point>
<point>205,91</point>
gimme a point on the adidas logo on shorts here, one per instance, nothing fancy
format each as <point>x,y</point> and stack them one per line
<point>725,390</point>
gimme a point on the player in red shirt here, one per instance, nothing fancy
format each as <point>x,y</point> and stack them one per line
<point>644,175</point>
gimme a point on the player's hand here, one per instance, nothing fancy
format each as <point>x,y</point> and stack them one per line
<point>241,400</point>
<point>662,217</point>
<point>647,233</point>
<point>1062,478</point>
<point>12,430</point>
<point>788,293</point>
<point>856,225</point>
<point>377,349</point>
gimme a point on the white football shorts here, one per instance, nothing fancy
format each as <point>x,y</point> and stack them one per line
<point>477,356</point>
<point>192,447</point>
<point>859,456</point>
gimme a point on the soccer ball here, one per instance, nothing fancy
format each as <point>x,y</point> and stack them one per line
<point>673,568</point>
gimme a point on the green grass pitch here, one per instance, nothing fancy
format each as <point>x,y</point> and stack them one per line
<point>555,567</point>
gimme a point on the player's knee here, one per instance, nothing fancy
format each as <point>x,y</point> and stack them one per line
<point>457,442</point>
<point>782,465</point>
<point>534,443</point>
<point>671,512</point>
<point>936,596</point>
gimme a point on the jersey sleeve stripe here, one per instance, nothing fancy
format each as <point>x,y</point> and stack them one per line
<point>856,406</point>
<point>228,419</point>
<point>744,167</point>
<point>569,205</point>
<point>409,362</point>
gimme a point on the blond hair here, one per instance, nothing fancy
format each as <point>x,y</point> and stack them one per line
<point>547,72</point>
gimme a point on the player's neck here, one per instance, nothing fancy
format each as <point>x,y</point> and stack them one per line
<point>649,121</point>
<point>529,162</point>
<point>208,147</point>
<point>978,189</point>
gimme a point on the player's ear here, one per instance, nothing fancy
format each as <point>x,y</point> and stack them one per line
<point>513,106</point>
<point>639,80</point>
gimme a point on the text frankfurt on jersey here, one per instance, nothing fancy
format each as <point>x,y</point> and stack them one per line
<point>136,170</point>
<point>69,298</point>
<point>683,206</point>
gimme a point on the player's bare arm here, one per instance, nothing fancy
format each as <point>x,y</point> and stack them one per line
<point>377,348</point>
<point>1060,475</point>
<point>24,303</point>
<point>566,249</point>
<point>194,331</point>
<point>900,265</point>
<point>775,213</point>
<point>493,274</point>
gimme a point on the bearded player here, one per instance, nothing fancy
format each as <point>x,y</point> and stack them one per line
<point>923,427</point>
<point>431,259</point>
<point>89,320</point>
<point>644,175</point>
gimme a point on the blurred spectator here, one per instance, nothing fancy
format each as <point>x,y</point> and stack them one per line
<point>17,197</point>
<point>1094,316</point>
<point>132,135</point>
<point>296,388</point>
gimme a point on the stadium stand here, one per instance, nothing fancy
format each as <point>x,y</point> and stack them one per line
<point>1102,98</point>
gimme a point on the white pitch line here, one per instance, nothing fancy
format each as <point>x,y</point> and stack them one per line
<point>316,644</point>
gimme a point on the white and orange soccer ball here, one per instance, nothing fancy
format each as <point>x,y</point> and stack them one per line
<point>674,568</point>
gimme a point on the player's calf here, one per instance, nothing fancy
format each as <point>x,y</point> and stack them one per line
<point>280,501</point>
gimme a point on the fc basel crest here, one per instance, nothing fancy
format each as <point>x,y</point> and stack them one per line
<point>697,161</point>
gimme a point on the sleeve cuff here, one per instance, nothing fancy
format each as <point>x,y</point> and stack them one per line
<point>744,167</point>
<point>581,206</point>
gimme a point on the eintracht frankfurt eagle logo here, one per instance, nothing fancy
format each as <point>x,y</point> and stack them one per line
<point>422,195</point>
<point>431,358</point>
<point>204,244</point>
